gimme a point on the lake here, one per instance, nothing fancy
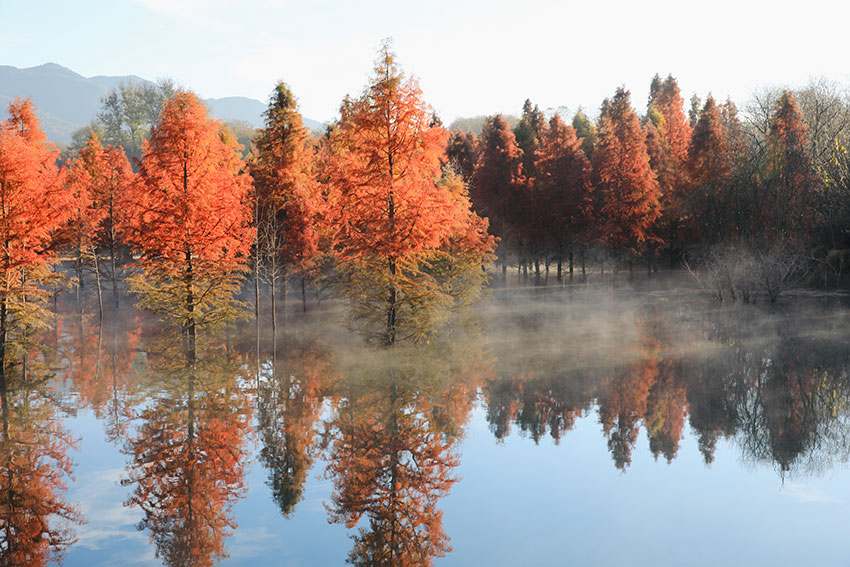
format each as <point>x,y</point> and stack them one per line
<point>601,425</point>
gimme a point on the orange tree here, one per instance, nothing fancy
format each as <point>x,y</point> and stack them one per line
<point>33,205</point>
<point>626,186</point>
<point>188,218</point>
<point>394,221</point>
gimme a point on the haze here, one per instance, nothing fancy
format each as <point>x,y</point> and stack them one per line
<point>472,57</point>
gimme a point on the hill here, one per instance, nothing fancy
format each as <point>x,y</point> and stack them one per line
<point>67,100</point>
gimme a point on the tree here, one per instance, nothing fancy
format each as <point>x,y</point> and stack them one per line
<point>563,190</point>
<point>627,186</point>
<point>498,179</point>
<point>87,215</point>
<point>288,200</point>
<point>668,140</point>
<point>129,112</point>
<point>789,177</point>
<point>462,154</point>
<point>391,218</point>
<point>112,177</point>
<point>709,169</point>
<point>528,134</point>
<point>586,132</point>
<point>188,217</point>
<point>35,203</point>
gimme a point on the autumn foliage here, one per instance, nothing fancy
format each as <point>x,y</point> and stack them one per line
<point>628,189</point>
<point>188,216</point>
<point>391,217</point>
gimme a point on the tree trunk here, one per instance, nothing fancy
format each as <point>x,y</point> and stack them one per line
<point>99,289</point>
<point>3,395</point>
<point>274,315</point>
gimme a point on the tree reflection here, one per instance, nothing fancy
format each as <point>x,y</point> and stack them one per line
<point>36,522</point>
<point>392,449</point>
<point>289,406</point>
<point>100,357</point>
<point>188,453</point>
<point>775,384</point>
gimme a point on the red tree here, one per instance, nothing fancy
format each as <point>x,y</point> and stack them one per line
<point>709,169</point>
<point>789,173</point>
<point>288,200</point>
<point>35,203</point>
<point>668,140</point>
<point>497,182</point>
<point>188,216</point>
<point>563,190</point>
<point>391,218</point>
<point>627,187</point>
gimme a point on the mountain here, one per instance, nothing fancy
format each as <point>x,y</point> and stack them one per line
<point>66,100</point>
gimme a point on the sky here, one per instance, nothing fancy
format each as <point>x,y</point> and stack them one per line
<point>471,57</point>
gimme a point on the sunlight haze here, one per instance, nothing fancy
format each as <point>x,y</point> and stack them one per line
<point>471,57</point>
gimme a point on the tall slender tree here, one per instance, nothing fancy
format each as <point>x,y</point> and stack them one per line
<point>564,191</point>
<point>627,186</point>
<point>498,180</point>
<point>789,174</point>
<point>391,217</point>
<point>288,200</point>
<point>669,127</point>
<point>709,169</point>
<point>188,217</point>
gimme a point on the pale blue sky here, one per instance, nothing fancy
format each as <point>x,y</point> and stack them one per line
<point>472,57</point>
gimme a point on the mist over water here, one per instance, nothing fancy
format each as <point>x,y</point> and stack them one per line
<point>523,432</point>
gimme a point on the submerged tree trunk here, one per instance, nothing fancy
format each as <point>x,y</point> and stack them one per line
<point>3,333</point>
<point>99,289</point>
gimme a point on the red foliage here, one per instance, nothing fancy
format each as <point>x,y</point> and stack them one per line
<point>188,208</point>
<point>627,186</point>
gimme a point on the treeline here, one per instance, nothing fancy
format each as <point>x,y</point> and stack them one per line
<point>679,182</point>
<point>668,184</point>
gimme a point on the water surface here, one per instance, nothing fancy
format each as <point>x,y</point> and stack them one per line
<point>548,427</point>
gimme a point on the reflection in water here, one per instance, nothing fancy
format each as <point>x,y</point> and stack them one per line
<point>100,358</point>
<point>385,426</point>
<point>392,450</point>
<point>775,383</point>
<point>36,523</point>
<point>188,453</point>
<point>288,408</point>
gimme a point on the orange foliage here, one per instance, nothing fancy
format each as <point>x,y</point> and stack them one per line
<point>35,520</point>
<point>34,200</point>
<point>563,185</point>
<point>388,211</point>
<point>188,468</point>
<point>627,186</point>
<point>187,214</point>
<point>287,193</point>
<point>389,464</point>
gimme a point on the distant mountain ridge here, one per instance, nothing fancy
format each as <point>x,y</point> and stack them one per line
<point>66,100</point>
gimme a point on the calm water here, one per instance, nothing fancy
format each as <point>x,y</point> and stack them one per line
<point>586,427</point>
